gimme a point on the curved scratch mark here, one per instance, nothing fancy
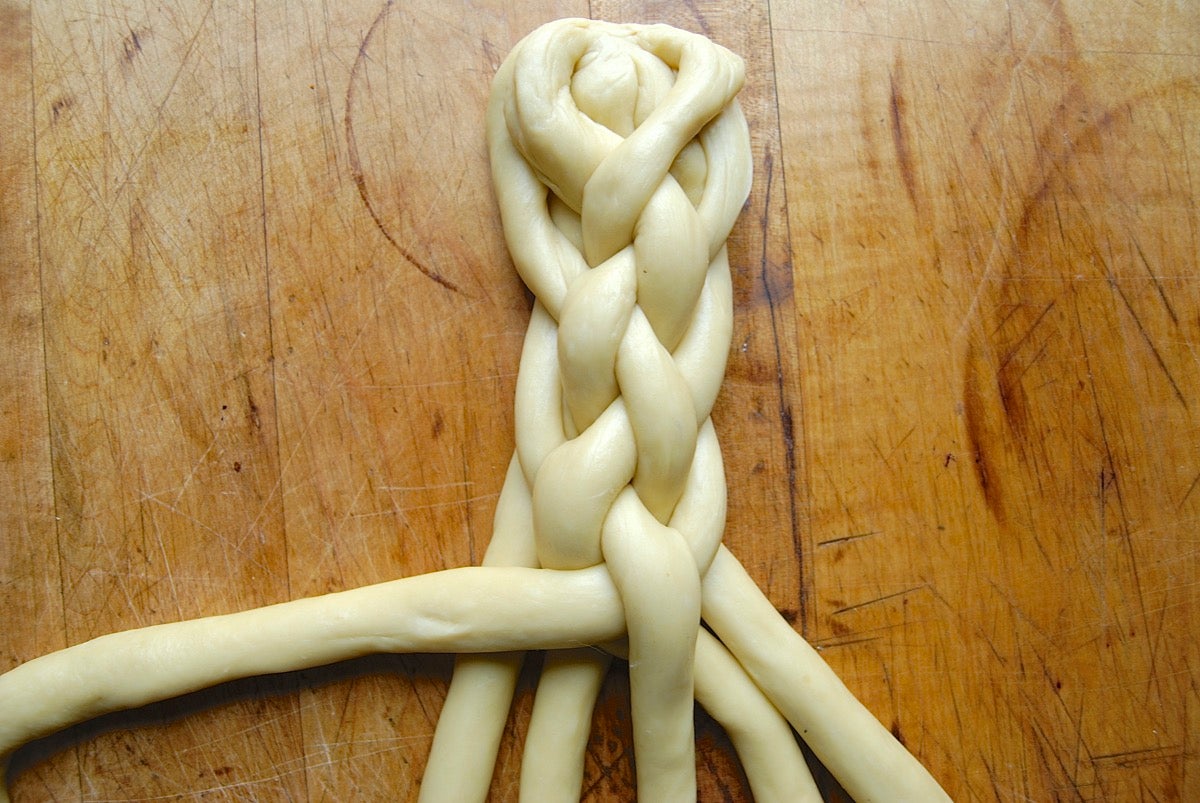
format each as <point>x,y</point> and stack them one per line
<point>360,179</point>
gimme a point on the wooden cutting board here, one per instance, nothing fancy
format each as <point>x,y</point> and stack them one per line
<point>261,335</point>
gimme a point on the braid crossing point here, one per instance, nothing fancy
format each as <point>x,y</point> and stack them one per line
<point>621,161</point>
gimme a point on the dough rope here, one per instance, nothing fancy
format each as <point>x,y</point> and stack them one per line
<point>620,160</point>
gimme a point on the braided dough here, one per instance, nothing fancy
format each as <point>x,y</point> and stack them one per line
<point>620,160</point>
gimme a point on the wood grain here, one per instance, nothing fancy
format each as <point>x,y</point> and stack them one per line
<point>262,336</point>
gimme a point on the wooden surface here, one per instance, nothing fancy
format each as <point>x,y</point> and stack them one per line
<point>261,334</point>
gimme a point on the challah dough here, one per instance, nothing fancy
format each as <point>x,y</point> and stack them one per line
<point>620,160</point>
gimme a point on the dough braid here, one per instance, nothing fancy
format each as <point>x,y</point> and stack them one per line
<point>625,268</point>
<point>608,422</point>
<point>620,160</point>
